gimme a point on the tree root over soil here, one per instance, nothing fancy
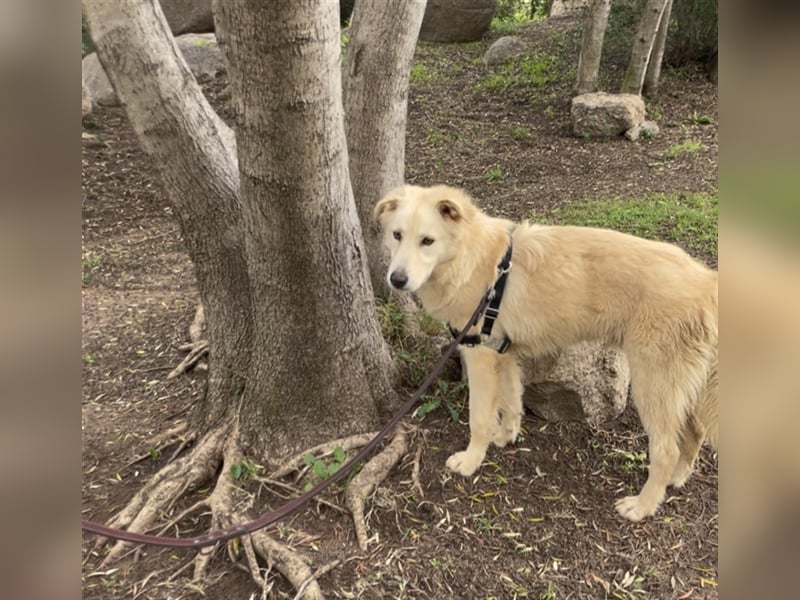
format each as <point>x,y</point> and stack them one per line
<point>230,504</point>
<point>373,473</point>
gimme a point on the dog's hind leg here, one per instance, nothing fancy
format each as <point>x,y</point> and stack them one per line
<point>659,405</point>
<point>482,375</point>
<point>509,397</point>
<point>700,425</point>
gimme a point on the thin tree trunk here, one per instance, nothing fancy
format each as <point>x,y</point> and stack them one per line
<point>594,31</point>
<point>643,46</point>
<point>195,154</point>
<point>382,40</point>
<point>320,366</point>
<point>653,73</point>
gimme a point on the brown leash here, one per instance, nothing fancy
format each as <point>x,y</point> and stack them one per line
<point>267,519</point>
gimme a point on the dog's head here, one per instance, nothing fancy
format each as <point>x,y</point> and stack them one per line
<point>422,227</point>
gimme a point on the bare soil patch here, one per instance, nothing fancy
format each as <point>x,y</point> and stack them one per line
<point>538,520</point>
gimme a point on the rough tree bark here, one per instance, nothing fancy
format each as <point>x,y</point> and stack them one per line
<point>269,219</point>
<point>642,46</point>
<point>383,35</point>
<point>653,74</point>
<point>594,32</point>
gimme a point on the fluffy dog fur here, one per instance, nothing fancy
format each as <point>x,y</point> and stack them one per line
<point>567,285</point>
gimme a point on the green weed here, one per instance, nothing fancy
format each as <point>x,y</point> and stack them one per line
<point>321,469</point>
<point>421,74</point>
<point>687,147</point>
<point>494,174</point>
<point>519,133</point>
<point>245,469</point>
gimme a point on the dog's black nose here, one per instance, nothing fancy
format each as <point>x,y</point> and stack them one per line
<point>398,279</point>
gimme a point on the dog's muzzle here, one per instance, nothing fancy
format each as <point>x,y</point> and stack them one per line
<point>398,279</point>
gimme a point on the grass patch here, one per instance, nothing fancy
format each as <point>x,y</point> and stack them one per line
<point>421,74</point>
<point>519,133</point>
<point>531,71</point>
<point>687,219</point>
<point>494,174</point>
<point>687,147</point>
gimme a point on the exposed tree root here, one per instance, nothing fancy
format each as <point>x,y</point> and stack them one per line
<point>229,503</point>
<point>197,347</point>
<point>149,504</point>
<point>374,472</point>
<point>164,440</point>
<point>197,350</point>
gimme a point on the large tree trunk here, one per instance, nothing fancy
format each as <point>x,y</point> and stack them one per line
<point>643,46</point>
<point>653,73</point>
<point>383,35</point>
<point>594,31</point>
<point>319,364</point>
<point>296,351</point>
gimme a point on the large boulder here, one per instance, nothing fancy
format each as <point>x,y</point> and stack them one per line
<point>188,16</point>
<point>568,8</point>
<point>587,382</point>
<point>504,49</point>
<point>201,52</point>
<point>599,114</point>
<point>456,20</point>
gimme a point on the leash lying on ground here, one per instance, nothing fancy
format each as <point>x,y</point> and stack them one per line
<point>223,535</point>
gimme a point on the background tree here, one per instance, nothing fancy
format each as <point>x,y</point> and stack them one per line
<point>643,43</point>
<point>653,73</point>
<point>594,32</point>
<point>270,223</point>
<point>383,35</point>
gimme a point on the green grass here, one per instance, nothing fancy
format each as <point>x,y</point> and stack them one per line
<point>519,133</point>
<point>531,71</point>
<point>686,219</point>
<point>494,174</point>
<point>687,147</point>
<point>421,74</point>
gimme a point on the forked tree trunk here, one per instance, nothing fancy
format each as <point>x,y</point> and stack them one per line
<point>296,351</point>
<point>653,74</point>
<point>594,31</point>
<point>643,46</point>
<point>383,35</point>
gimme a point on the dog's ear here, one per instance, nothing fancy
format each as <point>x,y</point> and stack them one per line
<point>385,205</point>
<point>450,210</point>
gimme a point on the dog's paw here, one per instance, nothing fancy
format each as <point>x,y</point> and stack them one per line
<point>633,509</point>
<point>464,463</point>
<point>507,431</point>
<point>681,476</point>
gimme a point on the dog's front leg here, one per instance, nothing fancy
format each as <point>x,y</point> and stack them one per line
<point>482,375</point>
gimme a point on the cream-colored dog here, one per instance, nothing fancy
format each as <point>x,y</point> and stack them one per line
<point>566,285</point>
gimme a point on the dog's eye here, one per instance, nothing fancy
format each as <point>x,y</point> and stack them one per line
<point>426,241</point>
<point>398,236</point>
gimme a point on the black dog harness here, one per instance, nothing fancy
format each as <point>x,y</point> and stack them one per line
<point>492,311</point>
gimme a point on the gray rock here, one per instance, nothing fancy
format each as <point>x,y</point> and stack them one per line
<point>86,102</point>
<point>188,16</point>
<point>201,52</point>
<point>568,8</point>
<point>456,20</point>
<point>647,129</point>
<point>599,114</point>
<point>504,50</point>
<point>587,382</point>
<point>96,81</point>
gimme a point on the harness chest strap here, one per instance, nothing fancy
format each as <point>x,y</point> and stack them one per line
<point>492,311</point>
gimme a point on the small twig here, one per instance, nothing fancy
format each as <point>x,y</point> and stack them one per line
<point>316,575</point>
<point>267,481</point>
<point>415,473</point>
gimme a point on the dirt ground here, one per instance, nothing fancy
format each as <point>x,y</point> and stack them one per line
<point>537,521</point>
